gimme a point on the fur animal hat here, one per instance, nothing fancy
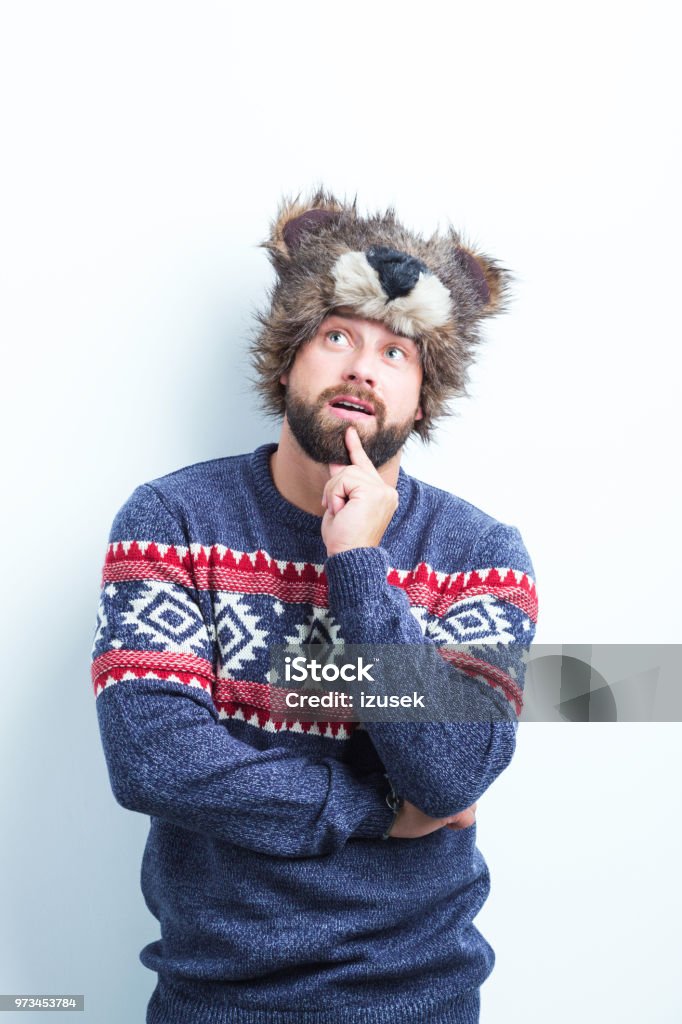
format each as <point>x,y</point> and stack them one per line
<point>329,258</point>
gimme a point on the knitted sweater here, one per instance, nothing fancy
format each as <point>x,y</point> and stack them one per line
<point>279,901</point>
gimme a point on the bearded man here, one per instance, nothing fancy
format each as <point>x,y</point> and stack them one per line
<point>322,872</point>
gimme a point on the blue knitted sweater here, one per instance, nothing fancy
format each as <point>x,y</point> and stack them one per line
<point>278,899</point>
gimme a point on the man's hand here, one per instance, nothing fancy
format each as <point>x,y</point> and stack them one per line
<point>358,504</point>
<point>411,823</point>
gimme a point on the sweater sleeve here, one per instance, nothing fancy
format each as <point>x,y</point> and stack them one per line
<point>444,767</point>
<point>167,752</point>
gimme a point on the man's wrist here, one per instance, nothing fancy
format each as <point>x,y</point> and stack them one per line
<point>350,547</point>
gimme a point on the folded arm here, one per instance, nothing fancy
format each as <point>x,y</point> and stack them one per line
<point>444,767</point>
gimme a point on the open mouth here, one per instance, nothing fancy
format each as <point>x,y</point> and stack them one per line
<point>351,408</point>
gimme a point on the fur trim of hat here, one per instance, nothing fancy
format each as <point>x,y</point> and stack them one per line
<point>327,257</point>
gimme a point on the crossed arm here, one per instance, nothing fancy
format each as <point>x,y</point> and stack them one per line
<point>169,755</point>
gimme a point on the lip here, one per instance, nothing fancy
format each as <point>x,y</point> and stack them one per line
<point>348,413</point>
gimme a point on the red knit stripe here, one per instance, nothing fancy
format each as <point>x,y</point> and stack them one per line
<point>257,696</point>
<point>244,691</point>
<point>493,676</point>
<point>143,569</point>
<point>250,696</point>
<point>186,667</point>
<point>259,574</point>
<point>271,584</point>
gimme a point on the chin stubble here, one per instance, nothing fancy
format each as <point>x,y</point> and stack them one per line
<point>324,441</point>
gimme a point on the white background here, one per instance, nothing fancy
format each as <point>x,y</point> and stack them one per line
<point>146,146</point>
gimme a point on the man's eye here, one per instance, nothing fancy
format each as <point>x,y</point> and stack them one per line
<point>398,354</point>
<point>336,334</point>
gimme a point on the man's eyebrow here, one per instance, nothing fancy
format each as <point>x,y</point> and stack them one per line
<point>338,316</point>
<point>329,324</point>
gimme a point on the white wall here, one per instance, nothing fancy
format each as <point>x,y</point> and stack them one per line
<point>146,146</point>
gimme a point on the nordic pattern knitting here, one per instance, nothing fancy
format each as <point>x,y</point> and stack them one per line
<point>264,862</point>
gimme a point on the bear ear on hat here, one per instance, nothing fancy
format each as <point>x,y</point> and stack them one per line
<point>488,281</point>
<point>297,218</point>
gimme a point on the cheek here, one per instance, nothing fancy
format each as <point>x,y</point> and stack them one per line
<point>412,389</point>
<point>310,371</point>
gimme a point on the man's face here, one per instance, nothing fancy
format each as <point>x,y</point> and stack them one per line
<point>353,360</point>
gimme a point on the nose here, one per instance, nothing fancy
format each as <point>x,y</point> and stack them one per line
<point>361,367</point>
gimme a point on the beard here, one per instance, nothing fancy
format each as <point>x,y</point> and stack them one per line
<point>323,438</point>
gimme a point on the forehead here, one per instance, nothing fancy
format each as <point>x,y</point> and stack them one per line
<point>359,325</point>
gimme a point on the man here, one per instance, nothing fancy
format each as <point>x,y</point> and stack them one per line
<point>319,871</point>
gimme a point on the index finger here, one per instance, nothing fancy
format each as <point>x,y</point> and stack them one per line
<point>358,455</point>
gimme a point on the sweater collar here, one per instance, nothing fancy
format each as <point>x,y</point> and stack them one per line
<point>281,510</point>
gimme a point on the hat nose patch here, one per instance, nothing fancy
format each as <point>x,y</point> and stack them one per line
<point>398,272</point>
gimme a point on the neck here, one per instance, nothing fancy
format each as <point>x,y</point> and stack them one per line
<point>301,480</point>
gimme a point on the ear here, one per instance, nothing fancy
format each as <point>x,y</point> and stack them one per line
<point>284,379</point>
<point>298,218</point>
<point>487,279</point>
<point>419,414</point>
